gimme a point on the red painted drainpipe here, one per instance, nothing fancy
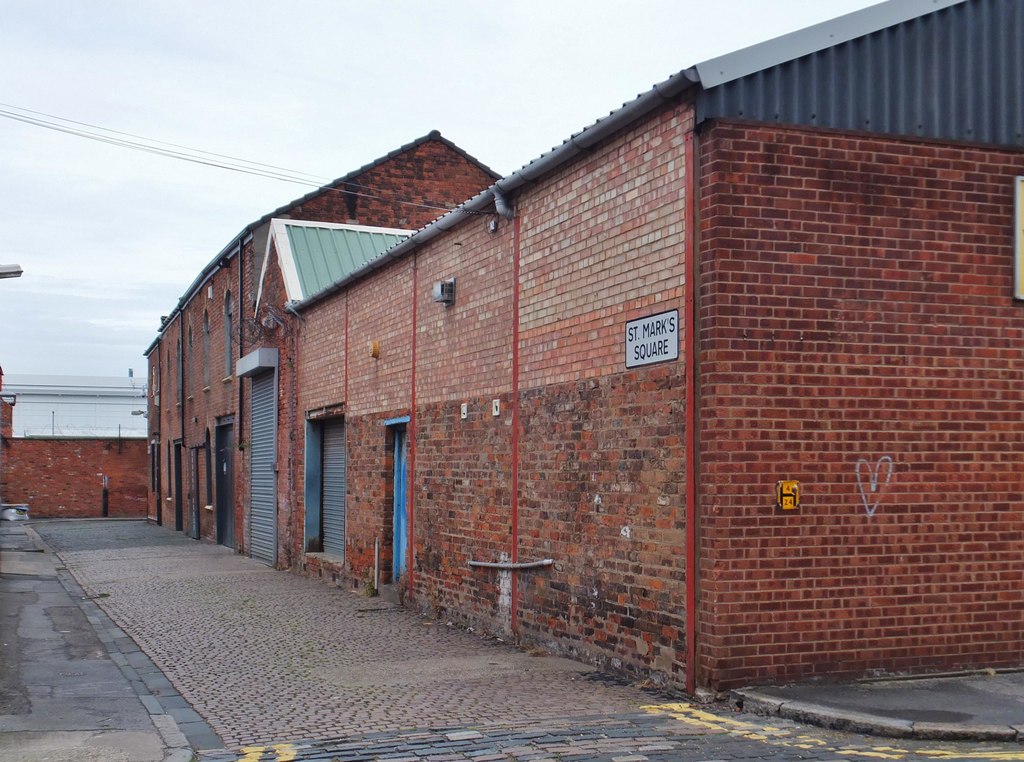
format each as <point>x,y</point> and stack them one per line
<point>410,490</point>
<point>690,267</point>
<point>346,352</point>
<point>514,619</point>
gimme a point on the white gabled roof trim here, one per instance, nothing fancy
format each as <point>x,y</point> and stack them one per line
<point>284,222</point>
<point>278,238</point>
<point>286,258</point>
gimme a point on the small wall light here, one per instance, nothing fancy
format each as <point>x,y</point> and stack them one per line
<point>375,350</point>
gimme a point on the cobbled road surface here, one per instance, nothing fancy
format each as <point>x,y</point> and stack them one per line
<point>286,668</point>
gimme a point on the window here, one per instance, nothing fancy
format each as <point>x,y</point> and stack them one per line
<point>191,363</point>
<point>206,348</point>
<point>227,335</point>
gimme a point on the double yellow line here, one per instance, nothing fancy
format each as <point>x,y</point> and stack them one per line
<point>781,737</point>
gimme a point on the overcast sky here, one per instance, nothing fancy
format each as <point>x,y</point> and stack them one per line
<point>110,238</point>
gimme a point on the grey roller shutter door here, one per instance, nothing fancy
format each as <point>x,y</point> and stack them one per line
<point>333,506</point>
<point>262,480</point>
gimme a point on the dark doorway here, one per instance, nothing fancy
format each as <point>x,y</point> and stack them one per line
<point>225,483</point>
<point>158,488</point>
<point>194,532</point>
<point>178,517</point>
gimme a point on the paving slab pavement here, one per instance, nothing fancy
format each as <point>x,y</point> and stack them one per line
<point>63,693</point>
<point>981,706</point>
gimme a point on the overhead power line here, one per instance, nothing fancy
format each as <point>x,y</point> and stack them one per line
<point>194,155</point>
<point>163,142</point>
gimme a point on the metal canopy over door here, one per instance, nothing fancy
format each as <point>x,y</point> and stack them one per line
<point>224,468</point>
<point>400,545</point>
<point>334,477</point>
<point>262,479</point>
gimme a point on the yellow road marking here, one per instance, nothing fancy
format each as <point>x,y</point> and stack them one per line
<point>779,737</point>
<point>281,752</point>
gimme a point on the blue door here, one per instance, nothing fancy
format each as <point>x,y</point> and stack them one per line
<point>401,545</point>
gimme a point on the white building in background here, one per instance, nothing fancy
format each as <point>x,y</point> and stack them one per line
<point>77,406</point>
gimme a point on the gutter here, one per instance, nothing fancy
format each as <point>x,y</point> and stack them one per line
<point>495,196</point>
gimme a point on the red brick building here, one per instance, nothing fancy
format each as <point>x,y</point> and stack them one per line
<point>564,410</point>
<point>197,412</point>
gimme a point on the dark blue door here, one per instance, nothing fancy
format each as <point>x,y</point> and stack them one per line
<point>398,565</point>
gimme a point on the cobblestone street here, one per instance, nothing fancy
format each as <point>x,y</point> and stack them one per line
<point>265,655</point>
<point>287,668</point>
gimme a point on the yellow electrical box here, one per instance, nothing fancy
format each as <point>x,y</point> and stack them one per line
<point>787,494</point>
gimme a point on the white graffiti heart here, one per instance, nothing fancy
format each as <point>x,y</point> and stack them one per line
<point>875,486</point>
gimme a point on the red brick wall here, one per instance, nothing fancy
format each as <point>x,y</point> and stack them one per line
<point>463,466</point>
<point>601,448</point>
<point>463,508</point>
<point>857,306</point>
<point>429,178</point>
<point>60,477</point>
<point>370,494</point>
<point>601,453</point>
<point>379,309</point>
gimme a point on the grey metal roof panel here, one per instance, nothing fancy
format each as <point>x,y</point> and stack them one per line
<point>956,73</point>
<point>740,63</point>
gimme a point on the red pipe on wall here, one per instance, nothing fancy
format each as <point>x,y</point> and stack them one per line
<point>410,490</point>
<point>514,620</point>
<point>690,267</point>
<point>346,351</point>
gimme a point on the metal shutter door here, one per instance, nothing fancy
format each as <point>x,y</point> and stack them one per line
<point>262,480</point>
<point>333,505</point>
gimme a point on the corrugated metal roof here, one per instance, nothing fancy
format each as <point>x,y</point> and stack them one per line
<point>802,42</point>
<point>956,73</point>
<point>313,256</point>
<point>324,256</point>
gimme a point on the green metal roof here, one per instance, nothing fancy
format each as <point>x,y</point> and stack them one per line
<point>325,255</point>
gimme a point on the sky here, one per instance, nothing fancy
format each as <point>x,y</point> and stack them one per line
<point>110,238</point>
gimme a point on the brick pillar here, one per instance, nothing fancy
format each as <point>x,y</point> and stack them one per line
<point>6,420</point>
